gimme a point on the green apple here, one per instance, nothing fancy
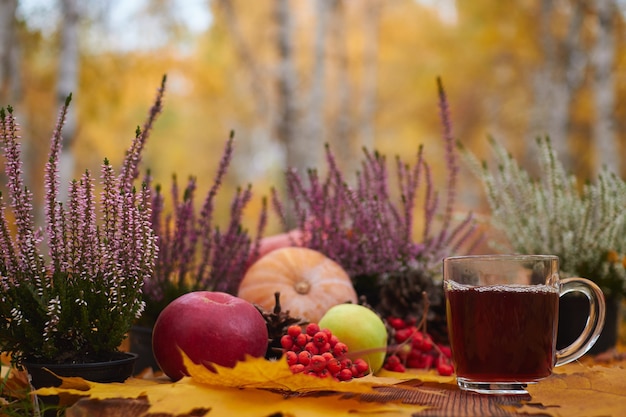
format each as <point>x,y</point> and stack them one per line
<point>360,329</point>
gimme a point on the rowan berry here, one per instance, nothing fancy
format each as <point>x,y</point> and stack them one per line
<point>304,357</point>
<point>427,343</point>
<point>344,375</point>
<point>310,347</point>
<point>296,348</point>
<point>397,368</point>
<point>345,362</point>
<point>325,348</point>
<point>340,349</point>
<point>318,352</point>
<point>414,354</point>
<point>294,331</point>
<point>445,369</point>
<point>312,328</point>
<point>362,366</point>
<point>403,334</point>
<point>318,362</point>
<point>392,360</point>
<point>292,358</point>
<point>297,368</point>
<point>320,339</point>
<point>417,340</point>
<point>333,365</point>
<point>286,342</point>
<point>396,323</point>
<point>302,340</point>
<point>416,349</point>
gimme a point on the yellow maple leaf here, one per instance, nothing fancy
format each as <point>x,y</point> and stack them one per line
<point>255,387</point>
<point>576,390</point>
<point>276,375</point>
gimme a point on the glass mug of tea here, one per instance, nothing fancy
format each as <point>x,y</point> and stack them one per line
<point>502,313</point>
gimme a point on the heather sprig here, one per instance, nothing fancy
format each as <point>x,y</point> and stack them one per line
<point>584,224</point>
<point>69,291</point>
<point>364,228</point>
<point>194,253</point>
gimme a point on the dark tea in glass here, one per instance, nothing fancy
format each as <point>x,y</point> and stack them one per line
<point>502,313</point>
<point>506,332</point>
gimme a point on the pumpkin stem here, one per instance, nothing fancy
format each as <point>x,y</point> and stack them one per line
<point>302,287</point>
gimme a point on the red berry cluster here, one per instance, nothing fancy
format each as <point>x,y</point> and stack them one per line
<point>416,350</point>
<point>318,352</point>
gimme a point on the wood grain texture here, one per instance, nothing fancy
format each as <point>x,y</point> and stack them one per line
<point>446,400</point>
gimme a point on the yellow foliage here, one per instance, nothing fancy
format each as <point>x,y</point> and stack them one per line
<point>255,387</point>
<point>258,387</point>
<point>579,390</point>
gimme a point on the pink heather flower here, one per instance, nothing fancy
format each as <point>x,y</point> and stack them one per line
<point>193,252</point>
<point>25,241</point>
<point>82,296</point>
<point>51,184</point>
<point>364,227</point>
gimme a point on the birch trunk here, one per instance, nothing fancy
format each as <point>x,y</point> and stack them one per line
<point>11,83</point>
<point>557,81</point>
<point>342,127</point>
<point>314,124</point>
<point>248,60</point>
<point>603,83</point>
<point>67,83</point>
<point>287,117</point>
<point>287,122</point>
<point>9,54</point>
<point>370,78</point>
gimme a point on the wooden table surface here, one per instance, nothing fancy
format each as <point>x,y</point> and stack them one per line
<point>584,388</point>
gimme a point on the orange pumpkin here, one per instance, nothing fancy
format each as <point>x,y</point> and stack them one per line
<point>308,281</point>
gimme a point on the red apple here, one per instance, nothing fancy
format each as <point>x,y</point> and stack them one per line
<point>210,327</point>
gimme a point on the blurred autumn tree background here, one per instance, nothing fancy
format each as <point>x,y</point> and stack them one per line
<point>288,76</point>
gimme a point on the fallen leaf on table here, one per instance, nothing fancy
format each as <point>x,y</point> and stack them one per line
<point>255,387</point>
<point>276,375</point>
<point>114,407</point>
<point>579,390</point>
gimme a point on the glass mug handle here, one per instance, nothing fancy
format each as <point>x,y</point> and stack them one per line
<point>595,322</point>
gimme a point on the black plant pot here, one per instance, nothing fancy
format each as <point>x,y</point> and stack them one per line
<point>140,339</point>
<point>117,369</point>
<point>573,311</point>
<point>43,375</point>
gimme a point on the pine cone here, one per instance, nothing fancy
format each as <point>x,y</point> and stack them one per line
<point>277,322</point>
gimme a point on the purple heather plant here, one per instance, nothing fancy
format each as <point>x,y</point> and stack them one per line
<point>76,302</point>
<point>194,253</point>
<point>365,229</point>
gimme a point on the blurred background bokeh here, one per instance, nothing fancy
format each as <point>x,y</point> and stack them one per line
<point>288,76</point>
